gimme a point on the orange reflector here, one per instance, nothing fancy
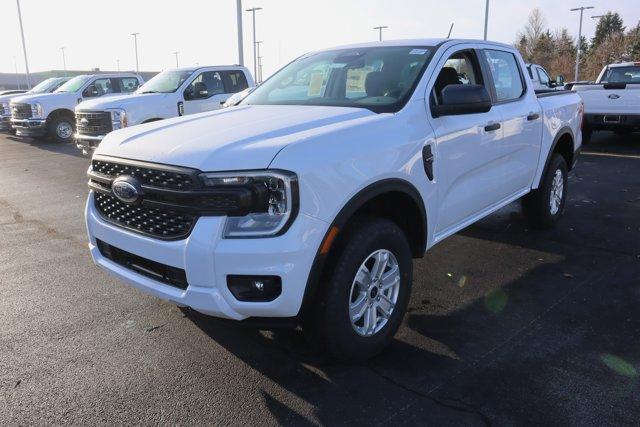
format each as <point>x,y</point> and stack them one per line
<point>328,241</point>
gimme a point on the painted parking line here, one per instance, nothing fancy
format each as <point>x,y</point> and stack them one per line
<point>624,156</point>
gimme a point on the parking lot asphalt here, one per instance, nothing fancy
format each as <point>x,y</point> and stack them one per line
<point>506,325</point>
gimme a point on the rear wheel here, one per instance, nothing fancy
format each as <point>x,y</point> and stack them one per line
<point>61,129</point>
<point>544,206</point>
<point>367,292</point>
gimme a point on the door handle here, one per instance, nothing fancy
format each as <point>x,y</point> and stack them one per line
<point>492,127</point>
<point>533,116</point>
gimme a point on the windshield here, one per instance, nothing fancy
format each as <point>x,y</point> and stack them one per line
<point>48,85</point>
<point>166,82</point>
<point>622,75</point>
<point>74,84</point>
<point>378,78</point>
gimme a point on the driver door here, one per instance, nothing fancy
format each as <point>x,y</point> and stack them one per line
<point>204,93</point>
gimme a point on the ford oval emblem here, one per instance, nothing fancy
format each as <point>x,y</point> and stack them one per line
<point>84,121</point>
<point>126,189</point>
<point>614,96</point>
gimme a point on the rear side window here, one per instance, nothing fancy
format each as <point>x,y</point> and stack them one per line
<point>507,79</point>
<point>234,81</point>
<point>128,84</point>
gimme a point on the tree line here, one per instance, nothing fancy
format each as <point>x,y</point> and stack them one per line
<point>556,51</point>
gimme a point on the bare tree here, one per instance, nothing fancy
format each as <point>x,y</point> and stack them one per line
<point>534,29</point>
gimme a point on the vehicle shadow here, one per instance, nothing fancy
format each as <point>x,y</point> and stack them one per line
<point>68,149</point>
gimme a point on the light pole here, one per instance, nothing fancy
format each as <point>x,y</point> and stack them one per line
<point>15,65</point>
<point>135,42</point>
<point>486,19</point>
<point>581,9</point>
<point>239,25</point>
<point>255,54</point>
<point>450,29</point>
<point>24,46</point>
<point>380,28</point>
<point>118,64</point>
<point>259,75</point>
<point>176,54</point>
<point>64,61</point>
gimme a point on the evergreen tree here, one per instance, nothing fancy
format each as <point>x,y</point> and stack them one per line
<point>609,24</point>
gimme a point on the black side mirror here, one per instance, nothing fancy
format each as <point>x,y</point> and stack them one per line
<point>90,91</point>
<point>462,99</point>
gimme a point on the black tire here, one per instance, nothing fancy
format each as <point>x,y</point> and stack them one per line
<point>330,326</point>
<point>537,204</point>
<point>586,136</point>
<point>58,128</point>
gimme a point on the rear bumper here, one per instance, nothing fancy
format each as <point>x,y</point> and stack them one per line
<point>87,143</point>
<point>612,121</point>
<point>30,127</point>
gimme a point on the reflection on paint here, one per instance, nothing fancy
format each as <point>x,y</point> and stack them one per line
<point>495,301</point>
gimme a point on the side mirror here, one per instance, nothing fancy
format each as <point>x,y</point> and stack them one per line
<point>462,99</point>
<point>560,80</point>
<point>90,91</point>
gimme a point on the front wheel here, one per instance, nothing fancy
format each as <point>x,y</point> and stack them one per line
<point>61,129</point>
<point>367,292</point>
<point>544,206</point>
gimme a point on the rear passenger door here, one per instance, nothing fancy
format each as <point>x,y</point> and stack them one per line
<point>521,119</point>
<point>467,152</point>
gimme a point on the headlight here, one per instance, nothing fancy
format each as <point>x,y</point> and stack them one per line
<point>36,111</point>
<point>119,119</point>
<point>272,214</point>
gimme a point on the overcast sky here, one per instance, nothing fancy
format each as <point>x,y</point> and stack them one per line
<point>96,33</point>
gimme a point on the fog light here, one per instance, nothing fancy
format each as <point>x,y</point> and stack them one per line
<point>255,288</point>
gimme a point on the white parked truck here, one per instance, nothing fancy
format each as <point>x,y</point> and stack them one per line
<point>613,102</point>
<point>51,114</point>
<point>172,93</point>
<point>308,200</point>
<point>541,81</point>
<point>45,86</point>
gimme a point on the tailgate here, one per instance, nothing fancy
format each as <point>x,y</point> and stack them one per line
<point>598,100</point>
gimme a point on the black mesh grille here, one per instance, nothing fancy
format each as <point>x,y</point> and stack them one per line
<point>21,111</point>
<point>156,222</point>
<point>147,176</point>
<point>93,124</point>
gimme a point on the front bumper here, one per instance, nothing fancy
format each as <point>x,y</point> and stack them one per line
<point>608,121</point>
<point>30,127</point>
<point>208,259</point>
<point>87,143</point>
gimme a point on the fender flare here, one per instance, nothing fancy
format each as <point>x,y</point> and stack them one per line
<point>565,130</point>
<point>346,213</point>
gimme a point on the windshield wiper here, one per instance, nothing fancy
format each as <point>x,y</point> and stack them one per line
<point>149,91</point>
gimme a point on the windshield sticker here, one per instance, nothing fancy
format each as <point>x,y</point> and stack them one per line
<point>315,84</point>
<point>418,51</point>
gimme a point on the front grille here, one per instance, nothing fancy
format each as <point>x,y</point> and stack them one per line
<point>171,180</point>
<point>162,223</point>
<point>163,273</point>
<point>93,123</point>
<point>21,111</point>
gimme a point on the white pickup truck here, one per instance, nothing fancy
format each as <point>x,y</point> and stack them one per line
<point>541,81</point>
<point>51,114</point>
<point>171,93</point>
<point>45,86</point>
<point>613,101</point>
<point>309,199</point>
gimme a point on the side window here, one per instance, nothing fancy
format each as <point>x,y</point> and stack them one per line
<point>127,84</point>
<point>544,77</point>
<point>205,85</point>
<point>234,81</point>
<point>507,79</point>
<point>99,87</point>
<point>460,69</point>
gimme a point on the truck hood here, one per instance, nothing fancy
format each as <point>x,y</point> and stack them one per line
<point>119,101</point>
<point>237,138</point>
<point>49,101</point>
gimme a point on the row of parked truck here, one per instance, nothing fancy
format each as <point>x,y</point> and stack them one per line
<point>87,107</point>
